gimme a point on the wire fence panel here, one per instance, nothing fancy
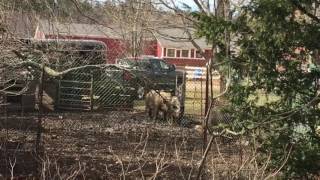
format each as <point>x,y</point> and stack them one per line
<point>91,122</point>
<point>114,89</point>
<point>74,92</point>
<point>195,92</point>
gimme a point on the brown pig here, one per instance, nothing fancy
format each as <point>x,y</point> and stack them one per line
<point>174,109</point>
<point>158,102</point>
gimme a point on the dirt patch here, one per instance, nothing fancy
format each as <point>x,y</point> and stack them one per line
<point>109,145</point>
<point>120,144</point>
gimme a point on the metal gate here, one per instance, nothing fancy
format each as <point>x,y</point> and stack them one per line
<point>75,92</point>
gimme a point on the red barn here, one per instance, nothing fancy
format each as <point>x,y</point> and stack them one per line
<point>178,52</point>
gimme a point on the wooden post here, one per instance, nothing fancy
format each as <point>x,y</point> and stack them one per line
<point>207,92</point>
<point>5,104</point>
<point>201,100</point>
<point>40,113</point>
<point>206,110</point>
<point>194,98</point>
<point>183,93</point>
<point>91,93</point>
<point>57,103</point>
<point>211,85</point>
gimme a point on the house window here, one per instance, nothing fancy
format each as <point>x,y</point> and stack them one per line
<point>164,65</point>
<point>198,55</point>
<point>170,52</point>
<point>184,53</point>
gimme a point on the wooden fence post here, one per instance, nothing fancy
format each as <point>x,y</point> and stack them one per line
<point>91,93</point>
<point>40,113</point>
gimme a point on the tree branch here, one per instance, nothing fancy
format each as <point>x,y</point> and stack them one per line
<point>202,7</point>
<point>51,72</point>
<point>301,8</point>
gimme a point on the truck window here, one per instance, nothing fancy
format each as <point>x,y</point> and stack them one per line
<point>164,65</point>
<point>146,65</point>
<point>127,63</point>
<point>155,64</point>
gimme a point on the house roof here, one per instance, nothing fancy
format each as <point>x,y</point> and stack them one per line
<point>75,29</point>
<point>178,38</point>
<point>167,37</point>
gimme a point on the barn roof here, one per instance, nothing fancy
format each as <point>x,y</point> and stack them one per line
<point>76,29</point>
<point>167,37</point>
<point>178,38</point>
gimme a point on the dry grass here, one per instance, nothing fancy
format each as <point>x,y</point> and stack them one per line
<point>117,145</point>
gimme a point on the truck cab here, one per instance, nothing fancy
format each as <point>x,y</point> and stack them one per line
<point>159,74</point>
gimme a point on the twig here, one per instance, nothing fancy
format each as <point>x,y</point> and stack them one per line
<point>192,166</point>
<point>301,8</point>
<point>264,167</point>
<point>218,149</point>
<point>204,157</point>
<point>177,153</point>
<point>120,161</point>
<point>12,165</point>
<point>284,162</point>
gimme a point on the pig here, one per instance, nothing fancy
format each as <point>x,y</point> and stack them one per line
<point>174,110</point>
<point>157,103</point>
<point>199,129</point>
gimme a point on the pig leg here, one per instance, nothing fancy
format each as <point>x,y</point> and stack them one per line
<point>147,110</point>
<point>165,115</point>
<point>170,120</point>
<point>150,113</point>
<point>155,114</point>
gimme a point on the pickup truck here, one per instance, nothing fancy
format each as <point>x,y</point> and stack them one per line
<point>159,75</point>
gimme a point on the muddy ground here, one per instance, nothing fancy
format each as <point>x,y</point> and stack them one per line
<point>110,145</point>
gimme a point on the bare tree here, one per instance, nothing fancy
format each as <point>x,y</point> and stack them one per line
<point>131,20</point>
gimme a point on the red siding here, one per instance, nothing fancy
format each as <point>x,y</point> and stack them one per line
<point>186,62</point>
<point>150,48</point>
<point>39,34</point>
<point>178,53</point>
<point>116,48</point>
<point>208,53</point>
<point>159,50</point>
